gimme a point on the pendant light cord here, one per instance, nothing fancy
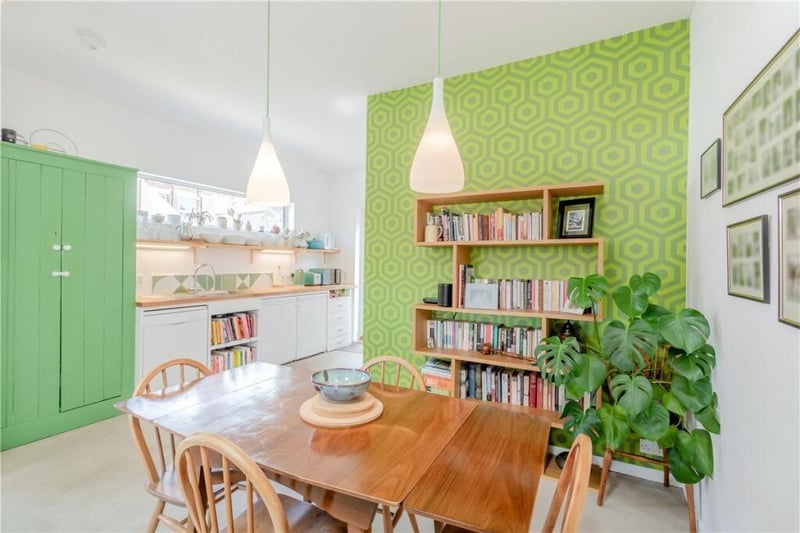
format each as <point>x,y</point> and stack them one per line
<point>269,35</point>
<point>439,59</point>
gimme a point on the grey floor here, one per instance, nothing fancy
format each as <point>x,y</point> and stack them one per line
<point>91,479</point>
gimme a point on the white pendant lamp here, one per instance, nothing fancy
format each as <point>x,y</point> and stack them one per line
<point>267,185</point>
<point>437,167</point>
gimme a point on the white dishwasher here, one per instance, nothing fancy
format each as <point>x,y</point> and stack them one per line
<point>171,334</point>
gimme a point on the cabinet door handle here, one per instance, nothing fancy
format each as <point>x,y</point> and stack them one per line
<point>57,274</point>
<point>67,247</point>
<point>57,247</point>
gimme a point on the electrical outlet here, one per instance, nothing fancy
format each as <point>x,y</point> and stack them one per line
<point>649,447</point>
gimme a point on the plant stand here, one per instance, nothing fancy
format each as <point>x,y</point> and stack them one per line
<point>608,457</point>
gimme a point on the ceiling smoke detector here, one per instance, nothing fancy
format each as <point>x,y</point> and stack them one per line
<point>91,40</point>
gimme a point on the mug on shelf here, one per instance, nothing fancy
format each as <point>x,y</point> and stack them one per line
<point>433,233</point>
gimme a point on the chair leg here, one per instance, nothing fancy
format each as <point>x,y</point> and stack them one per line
<point>690,506</point>
<point>154,518</point>
<point>601,492</point>
<point>666,469</point>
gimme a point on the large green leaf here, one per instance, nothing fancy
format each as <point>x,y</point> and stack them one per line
<point>687,330</point>
<point>697,364</point>
<point>615,425</point>
<point>632,394</point>
<point>668,439</point>
<point>682,469</point>
<point>654,313</point>
<point>695,395</point>
<point>588,291</point>
<point>649,283</point>
<point>558,359</point>
<point>652,423</point>
<point>577,420</point>
<point>672,404</point>
<point>696,449</point>
<point>631,302</point>
<point>709,416</point>
<point>588,376</point>
<point>625,344</point>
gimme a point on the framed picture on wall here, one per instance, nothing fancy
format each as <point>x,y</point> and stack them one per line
<point>709,170</point>
<point>748,269</point>
<point>575,218</point>
<point>761,129</point>
<point>789,258</point>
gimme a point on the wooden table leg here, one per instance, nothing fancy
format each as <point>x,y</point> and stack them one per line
<point>386,511</point>
<point>690,506</point>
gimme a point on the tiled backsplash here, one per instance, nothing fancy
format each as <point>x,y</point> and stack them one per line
<point>183,283</point>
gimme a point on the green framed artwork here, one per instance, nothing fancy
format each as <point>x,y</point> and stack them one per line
<point>761,129</point>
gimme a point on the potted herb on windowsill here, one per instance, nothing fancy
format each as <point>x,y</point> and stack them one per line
<point>653,369</point>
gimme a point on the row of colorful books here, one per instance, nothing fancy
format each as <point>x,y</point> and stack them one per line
<point>470,336</point>
<point>232,357</point>
<point>229,328</point>
<point>497,226</point>
<point>516,387</point>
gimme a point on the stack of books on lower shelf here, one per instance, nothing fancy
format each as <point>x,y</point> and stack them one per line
<point>232,357</point>
<point>437,376</point>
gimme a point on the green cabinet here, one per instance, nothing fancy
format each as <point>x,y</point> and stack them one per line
<point>68,282</point>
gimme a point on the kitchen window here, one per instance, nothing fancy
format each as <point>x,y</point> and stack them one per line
<point>169,196</point>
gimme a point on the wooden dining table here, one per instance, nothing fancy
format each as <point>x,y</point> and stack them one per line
<point>463,462</point>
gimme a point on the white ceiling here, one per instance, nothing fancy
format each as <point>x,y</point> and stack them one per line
<point>203,63</point>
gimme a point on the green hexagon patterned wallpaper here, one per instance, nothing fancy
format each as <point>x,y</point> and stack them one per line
<point>614,110</point>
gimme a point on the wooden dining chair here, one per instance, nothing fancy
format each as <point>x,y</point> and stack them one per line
<point>386,367</point>
<point>264,509</point>
<point>395,366</point>
<point>167,380</point>
<point>571,489</point>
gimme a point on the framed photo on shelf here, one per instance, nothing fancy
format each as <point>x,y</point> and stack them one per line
<point>575,218</point>
<point>748,268</point>
<point>709,170</point>
<point>789,258</point>
<point>761,129</point>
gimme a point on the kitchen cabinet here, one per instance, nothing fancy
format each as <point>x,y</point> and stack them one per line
<point>292,327</point>
<point>340,321</point>
<point>174,333</point>
<point>68,278</point>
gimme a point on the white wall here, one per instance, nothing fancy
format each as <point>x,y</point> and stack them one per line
<point>110,132</point>
<point>756,486</point>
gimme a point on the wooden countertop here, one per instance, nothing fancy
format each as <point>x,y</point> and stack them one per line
<point>166,300</point>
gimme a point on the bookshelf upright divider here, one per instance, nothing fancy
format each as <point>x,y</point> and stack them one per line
<point>462,250</point>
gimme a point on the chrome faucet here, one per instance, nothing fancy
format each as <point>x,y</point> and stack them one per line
<point>197,287</point>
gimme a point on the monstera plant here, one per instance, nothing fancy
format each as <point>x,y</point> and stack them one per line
<point>653,369</point>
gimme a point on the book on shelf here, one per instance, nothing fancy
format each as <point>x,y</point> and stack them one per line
<point>233,327</point>
<point>232,357</point>
<point>496,226</point>
<point>515,341</point>
<point>515,387</point>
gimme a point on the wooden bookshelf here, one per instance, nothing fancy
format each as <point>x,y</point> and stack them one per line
<point>461,252</point>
